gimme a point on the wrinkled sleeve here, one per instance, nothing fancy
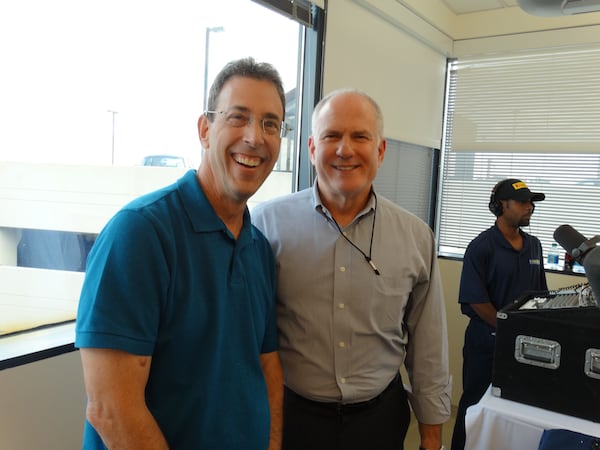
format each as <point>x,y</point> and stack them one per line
<point>427,350</point>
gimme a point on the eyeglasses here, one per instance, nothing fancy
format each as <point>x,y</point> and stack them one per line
<point>238,119</point>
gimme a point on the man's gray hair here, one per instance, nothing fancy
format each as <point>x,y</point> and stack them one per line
<point>248,68</point>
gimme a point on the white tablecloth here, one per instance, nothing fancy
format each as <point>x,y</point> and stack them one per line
<point>499,424</point>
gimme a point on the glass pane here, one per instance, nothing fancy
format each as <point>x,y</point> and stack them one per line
<point>100,102</point>
<point>570,181</point>
<point>405,177</point>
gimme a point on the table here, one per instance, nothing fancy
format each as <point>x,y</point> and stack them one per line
<point>500,424</point>
<point>30,346</point>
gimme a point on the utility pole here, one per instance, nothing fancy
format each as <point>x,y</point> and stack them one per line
<point>113,136</point>
<point>206,50</point>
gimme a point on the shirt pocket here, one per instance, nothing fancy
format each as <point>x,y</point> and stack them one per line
<point>388,302</point>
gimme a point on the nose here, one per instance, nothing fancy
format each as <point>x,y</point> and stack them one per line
<point>344,149</point>
<point>254,133</point>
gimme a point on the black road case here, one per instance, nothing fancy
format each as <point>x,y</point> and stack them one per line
<point>548,354</point>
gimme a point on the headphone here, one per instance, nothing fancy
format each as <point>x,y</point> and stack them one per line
<point>495,205</point>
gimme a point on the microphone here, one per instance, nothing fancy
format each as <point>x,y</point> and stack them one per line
<point>575,243</point>
<point>585,251</point>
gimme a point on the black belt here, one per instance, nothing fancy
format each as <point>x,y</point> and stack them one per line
<point>342,408</point>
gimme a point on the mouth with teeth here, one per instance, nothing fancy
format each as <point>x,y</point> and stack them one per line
<point>344,168</point>
<point>245,160</point>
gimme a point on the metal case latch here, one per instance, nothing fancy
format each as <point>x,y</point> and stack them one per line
<point>592,363</point>
<point>537,352</point>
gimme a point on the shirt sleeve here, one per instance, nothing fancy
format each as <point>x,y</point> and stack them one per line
<point>125,280</point>
<point>427,349</point>
<point>473,286</point>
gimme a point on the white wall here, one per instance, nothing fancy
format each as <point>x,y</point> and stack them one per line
<point>42,405</point>
<point>405,76</point>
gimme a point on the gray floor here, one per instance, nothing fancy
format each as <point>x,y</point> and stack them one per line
<point>412,440</point>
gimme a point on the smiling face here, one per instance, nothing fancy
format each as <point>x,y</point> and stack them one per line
<point>346,148</point>
<point>237,160</point>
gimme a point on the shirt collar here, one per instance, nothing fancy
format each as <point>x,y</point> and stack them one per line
<point>502,240</point>
<point>320,207</point>
<point>201,213</point>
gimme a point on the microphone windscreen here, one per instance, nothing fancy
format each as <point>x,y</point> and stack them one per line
<point>569,238</point>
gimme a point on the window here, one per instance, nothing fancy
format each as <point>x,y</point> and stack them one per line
<point>532,116</point>
<point>99,105</point>
<point>408,178</point>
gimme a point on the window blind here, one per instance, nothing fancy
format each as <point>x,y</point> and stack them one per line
<point>547,101</point>
<point>532,116</point>
<point>407,177</point>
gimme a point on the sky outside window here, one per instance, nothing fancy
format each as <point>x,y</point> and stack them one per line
<point>67,63</point>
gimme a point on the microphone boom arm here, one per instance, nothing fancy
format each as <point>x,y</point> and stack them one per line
<point>585,247</point>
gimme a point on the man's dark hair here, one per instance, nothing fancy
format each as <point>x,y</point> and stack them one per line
<point>249,68</point>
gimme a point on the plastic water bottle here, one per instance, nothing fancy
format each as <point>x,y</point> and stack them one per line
<point>553,256</point>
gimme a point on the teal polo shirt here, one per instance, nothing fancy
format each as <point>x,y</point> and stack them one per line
<point>166,279</point>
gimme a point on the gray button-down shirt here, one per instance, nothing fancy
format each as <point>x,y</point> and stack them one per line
<point>344,330</point>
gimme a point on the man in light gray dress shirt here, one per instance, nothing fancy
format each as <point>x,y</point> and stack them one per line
<point>359,295</point>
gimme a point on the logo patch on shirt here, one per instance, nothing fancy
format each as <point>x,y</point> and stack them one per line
<point>534,262</point>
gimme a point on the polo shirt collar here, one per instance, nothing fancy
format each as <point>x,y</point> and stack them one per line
<point>502,240</point>
<point>201,213</point>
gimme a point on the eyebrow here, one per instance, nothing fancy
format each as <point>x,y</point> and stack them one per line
<point>326,131</point>
<point>269,115</point>
<point>353,133</point>
<point>361,132</point>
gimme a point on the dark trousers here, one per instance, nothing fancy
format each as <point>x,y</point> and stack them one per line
<point>478,362</point>
<point>379,424</point>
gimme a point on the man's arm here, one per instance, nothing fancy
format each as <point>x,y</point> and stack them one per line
<point>486,311</point>
<point>115,382</point>
<point>271,365</point>
<point>431,436</point>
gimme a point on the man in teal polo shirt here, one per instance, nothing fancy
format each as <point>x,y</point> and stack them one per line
<point>176,321</point>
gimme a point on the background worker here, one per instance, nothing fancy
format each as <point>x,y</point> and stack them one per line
<point>499,266</point>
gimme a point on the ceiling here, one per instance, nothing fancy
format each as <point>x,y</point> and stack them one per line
<point>471,6</point>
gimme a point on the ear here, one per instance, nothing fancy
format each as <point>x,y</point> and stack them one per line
<point>311,149</point>
<point>203,127</point>
<point>504,204</point>
<point>381,151</point>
